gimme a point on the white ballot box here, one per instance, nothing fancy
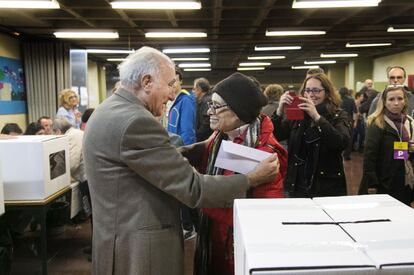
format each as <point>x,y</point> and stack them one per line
<point>322,236</point>
<point>1,195</point>
<point>34,167</point>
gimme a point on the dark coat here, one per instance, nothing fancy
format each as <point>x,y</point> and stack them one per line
<point>334,132</point>
<point>380,170</point>
<point>203,130</point>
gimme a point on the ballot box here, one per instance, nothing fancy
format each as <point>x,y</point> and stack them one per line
<point>322,236</point>
<point>34,167</point>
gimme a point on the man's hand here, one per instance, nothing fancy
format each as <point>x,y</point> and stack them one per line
<point>265,172</point>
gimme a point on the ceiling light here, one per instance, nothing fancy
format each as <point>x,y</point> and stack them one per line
<point>251,69</point>
<point>311,4</point>
<point>194,65</point>
<point>86,35</point>
<point>293,33</point>
<point>109,51</point>
<point>266,57</point>
<point>279,48</point>
<point>197,70</point>
<point>29,4</point>
<point>246,64</point>
<point>304,67</point>
<point>116,59</point>
<point>174,34</point>
<point>187,50</point>
<point>190,59</point>
<point>331,55</point>
<point>320,62</point>
<point>391,29</point>
<point>157,5</point>
<point>349,45</point>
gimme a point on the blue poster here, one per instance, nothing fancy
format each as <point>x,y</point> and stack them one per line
<point>12,88</point>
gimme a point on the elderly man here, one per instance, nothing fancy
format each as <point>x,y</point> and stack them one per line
<point>137,179</point>
<point>369,83</point>
<point>396,76</point>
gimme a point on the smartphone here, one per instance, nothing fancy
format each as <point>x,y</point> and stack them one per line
<point>292,111</point>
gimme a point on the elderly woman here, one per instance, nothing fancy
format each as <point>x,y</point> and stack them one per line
<point>235,116</point>
<point>68,102</point>
<point>389,148</point>
<point>315,143</point>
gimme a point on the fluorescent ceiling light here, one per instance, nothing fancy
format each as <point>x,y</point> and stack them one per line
<point>266,57</point>
<point>109,51</point>
<point>194,65</point>
<point>279,48</point>
<point>331,55</point>
<point>197,70</point>
<point>157,5</point>
<point>86,35</point>
<point>311,4</point>
<point>190,59</point>
<point>251,68</point>
<point>304,67</point>
<point>174,34</point>
<point>187,50</point>
<point>293,33</point>
<point>247,64</point>
<point>116,59</point>
<point>320,62</point>
<point>29,4</point>
<point>391,29</point>
<point>349,45</point>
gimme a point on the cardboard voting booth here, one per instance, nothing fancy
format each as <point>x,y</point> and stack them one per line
<point>337,235</point>
<point>34,167</point>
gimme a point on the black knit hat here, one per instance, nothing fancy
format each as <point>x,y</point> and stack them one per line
<point>242,95</point>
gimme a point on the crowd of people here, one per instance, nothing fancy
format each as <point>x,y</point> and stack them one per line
<point>149,153</point>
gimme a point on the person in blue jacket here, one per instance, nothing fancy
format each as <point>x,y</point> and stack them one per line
<point>182,122</point>
<point>182,114</point>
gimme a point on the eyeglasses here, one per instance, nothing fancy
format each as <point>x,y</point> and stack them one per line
<point>171,83</point>
<point>213,107</point>
<point>396,77</point>
<point>315,91</point>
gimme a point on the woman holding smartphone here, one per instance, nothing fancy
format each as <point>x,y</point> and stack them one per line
<point>389,148</point>
<point>316,142</point>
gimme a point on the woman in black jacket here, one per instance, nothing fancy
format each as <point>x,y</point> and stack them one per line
<point>389,148</point>
<point>315,143</point>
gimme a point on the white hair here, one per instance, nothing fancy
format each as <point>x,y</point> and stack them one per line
<point>144,61</point>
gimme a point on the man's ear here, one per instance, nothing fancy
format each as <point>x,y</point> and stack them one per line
<point>146,82</point>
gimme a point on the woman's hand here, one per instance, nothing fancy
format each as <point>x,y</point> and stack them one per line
<point>284,100</point>
<point>308,106</point>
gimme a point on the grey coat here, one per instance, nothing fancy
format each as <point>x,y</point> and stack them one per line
<point>136,179</point>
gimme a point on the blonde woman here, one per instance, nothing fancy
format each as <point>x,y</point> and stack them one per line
<point>68,107</point>
<point>389,148</point>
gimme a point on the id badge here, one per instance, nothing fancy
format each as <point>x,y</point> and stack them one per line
<point>400,150</point>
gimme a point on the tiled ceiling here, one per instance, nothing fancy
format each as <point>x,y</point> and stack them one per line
<point>234,28</point>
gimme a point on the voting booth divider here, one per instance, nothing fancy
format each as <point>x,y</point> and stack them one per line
<point>370,234</point>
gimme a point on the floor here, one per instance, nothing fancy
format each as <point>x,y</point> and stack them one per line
<point>65,250</point>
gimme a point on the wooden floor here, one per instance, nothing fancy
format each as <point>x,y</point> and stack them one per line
<point>65,251</point>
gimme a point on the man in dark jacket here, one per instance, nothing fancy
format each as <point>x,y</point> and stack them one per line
<point>201,90</point>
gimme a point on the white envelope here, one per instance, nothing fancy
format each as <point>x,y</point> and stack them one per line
<point>239,158</point>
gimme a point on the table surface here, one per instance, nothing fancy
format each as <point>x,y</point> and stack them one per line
<point>37,202</point>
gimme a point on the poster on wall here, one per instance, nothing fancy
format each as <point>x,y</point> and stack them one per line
<point>12,88</point>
